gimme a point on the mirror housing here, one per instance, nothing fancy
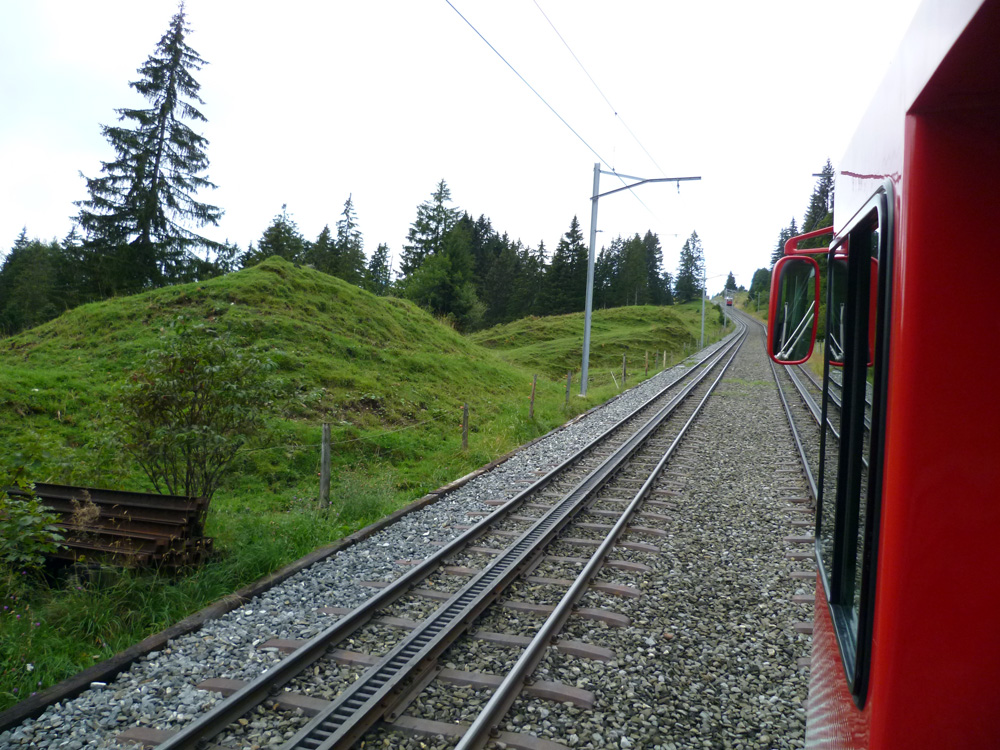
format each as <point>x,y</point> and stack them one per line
<point>794,309</point>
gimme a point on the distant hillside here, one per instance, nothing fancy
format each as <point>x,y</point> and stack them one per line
<point>554,345</point>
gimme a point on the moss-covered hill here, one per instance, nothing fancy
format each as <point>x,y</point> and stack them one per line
<point>369,365</point>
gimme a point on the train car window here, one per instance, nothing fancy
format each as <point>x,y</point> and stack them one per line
<point>850,449</point>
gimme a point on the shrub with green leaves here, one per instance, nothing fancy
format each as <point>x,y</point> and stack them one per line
<point>27,528</point>
<point>189,408</point>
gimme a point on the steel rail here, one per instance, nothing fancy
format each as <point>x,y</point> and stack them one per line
<point>810,404</point>
<point>813,487</point>
<point>507,692</point>
<point>372,695</point>
<point>807,397</point>
<point>266,684</point>
<point>813,407</point>
<point>835,399</point>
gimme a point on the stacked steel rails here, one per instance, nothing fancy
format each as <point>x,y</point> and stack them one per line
<point>126,528</point>
<point>597,500</point>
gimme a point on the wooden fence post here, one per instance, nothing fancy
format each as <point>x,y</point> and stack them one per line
<point>623,370</point>
<point>569,380</point>
<point>324,468</point>
<point>531,409</point>
<point>465,426</point>
<point>647,363</point>
<point>664,359</point>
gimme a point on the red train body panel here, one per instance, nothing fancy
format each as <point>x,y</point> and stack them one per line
<point>906,649</point>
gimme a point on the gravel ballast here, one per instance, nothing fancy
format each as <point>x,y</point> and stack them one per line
<point>710,660</point>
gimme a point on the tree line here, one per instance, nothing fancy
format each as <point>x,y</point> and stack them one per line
<point>135,231</point>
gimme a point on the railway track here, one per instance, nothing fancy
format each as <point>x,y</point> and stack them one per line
<point>653,615</point>
<point>617,471</point>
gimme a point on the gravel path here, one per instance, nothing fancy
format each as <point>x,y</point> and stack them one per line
<point>158,690</point>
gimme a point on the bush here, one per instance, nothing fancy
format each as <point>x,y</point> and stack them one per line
<point>27,529</point>
<point>187,411</point>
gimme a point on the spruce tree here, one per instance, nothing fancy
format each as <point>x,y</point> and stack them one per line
<point>486,248</point>
<point>633,278</point>
<point>227,258</point>
<point>668,288</point>
<point>323,254</point>
<point>378,274</point>
<point>137,214</point>
<point>688,286</point>
<point>281,238</point>
<point>499,283</point>
<point>654,269</point>
<point>819,214</point>
<point>443,282</point>
<point>426,236</point>
<point>566,280</point>
<point>350,246</point>
<point>761,282</point>
<point>528,292</point>
<point>730,282</point>
<point>605,274</point>
<point>783,236</point>
<point>28,284</point>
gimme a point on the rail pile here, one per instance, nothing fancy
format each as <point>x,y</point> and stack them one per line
<point>127,528</point>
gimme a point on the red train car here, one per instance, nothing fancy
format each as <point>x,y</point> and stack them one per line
<point>906,646</point>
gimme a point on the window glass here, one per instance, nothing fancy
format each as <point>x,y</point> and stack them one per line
<point>865,409</point>
<point>832,388</point>
<point>847,448</point>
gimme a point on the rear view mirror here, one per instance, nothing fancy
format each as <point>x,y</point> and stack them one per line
<point>794,313</point>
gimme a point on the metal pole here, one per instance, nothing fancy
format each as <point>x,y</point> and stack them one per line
<point>703,280</point>
<point>590,281</point>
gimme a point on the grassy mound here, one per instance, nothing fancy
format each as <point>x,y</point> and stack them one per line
<point>370,366</point>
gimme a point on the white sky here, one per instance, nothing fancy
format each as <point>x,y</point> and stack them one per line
<point>308,102</point>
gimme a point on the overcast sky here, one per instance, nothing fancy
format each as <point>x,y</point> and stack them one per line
<point>308,102</point>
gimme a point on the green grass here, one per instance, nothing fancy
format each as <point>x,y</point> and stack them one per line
<point>389,378</point>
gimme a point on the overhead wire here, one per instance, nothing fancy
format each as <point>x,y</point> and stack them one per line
<point>614,109</point>
<point>523,80</point>
<point>601,159</point>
